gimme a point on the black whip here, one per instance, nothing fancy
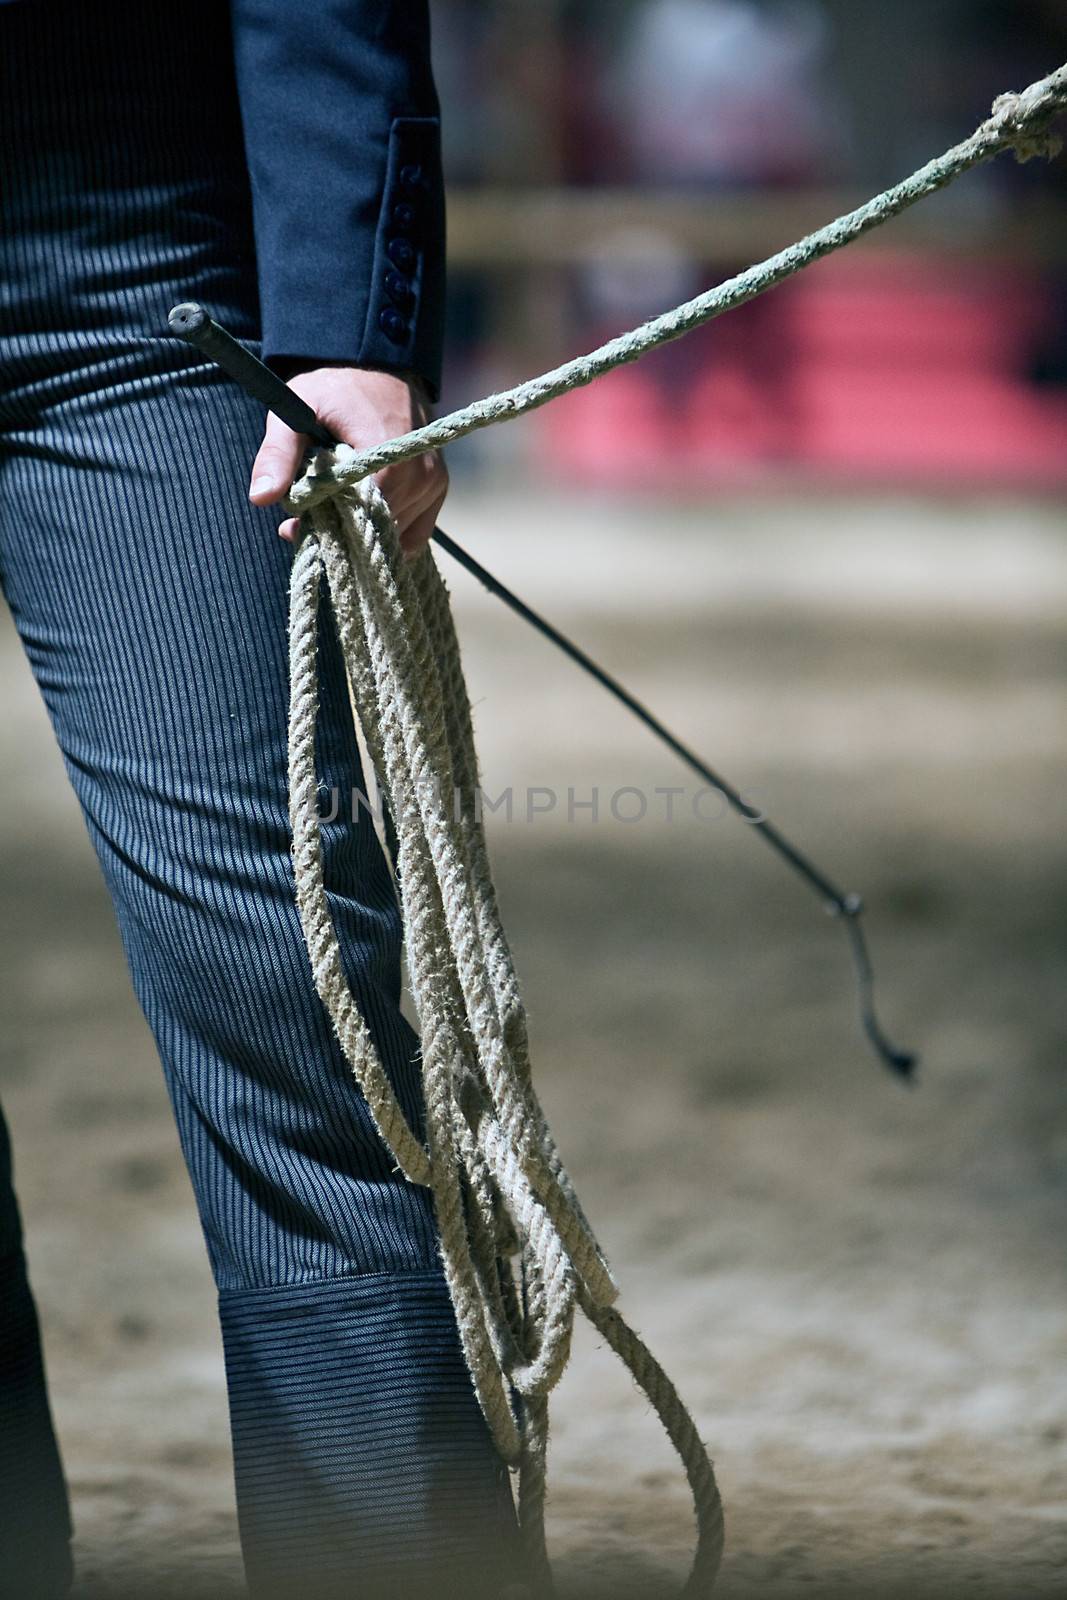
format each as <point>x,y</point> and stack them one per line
<point>193,324</point>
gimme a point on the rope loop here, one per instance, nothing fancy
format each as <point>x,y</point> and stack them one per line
<point>519,1256</point>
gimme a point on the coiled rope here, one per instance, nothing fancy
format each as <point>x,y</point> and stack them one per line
<point>519,1255</point>
<point>501,1194</point>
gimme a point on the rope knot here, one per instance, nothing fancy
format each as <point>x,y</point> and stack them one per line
<point>1022,121</point>
<point>325,473</point>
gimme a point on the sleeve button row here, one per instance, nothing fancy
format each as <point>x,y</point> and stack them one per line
<point>404,257</point>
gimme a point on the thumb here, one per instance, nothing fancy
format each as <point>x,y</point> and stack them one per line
<point>276,462</point>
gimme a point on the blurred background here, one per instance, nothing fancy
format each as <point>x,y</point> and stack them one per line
<point>610,160</point>
<point>825,539</point>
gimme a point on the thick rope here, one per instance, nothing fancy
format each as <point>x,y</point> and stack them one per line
<point>519,1255</point>
<point>1019,122</point>
<point>503,1201</point>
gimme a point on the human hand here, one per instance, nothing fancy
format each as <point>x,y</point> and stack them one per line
<point>362,408</point>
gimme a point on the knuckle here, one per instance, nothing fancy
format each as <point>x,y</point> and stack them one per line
<point>274,452</point>
<point>434,470</point>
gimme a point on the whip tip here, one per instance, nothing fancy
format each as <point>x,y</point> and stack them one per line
<point>903,1062</point>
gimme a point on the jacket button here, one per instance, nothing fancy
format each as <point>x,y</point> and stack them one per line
<point>393,325</point>
<point>403,216</point>
<point>411,177</point>
<point>401,253</point>
<point>399,288</point>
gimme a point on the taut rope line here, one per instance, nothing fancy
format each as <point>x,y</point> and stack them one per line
<point>501,1193</point>
<point>1019,122</point>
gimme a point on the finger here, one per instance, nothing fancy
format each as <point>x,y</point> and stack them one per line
<point>421,523</point>
<point>419,533</point>
<point>287,529</point>
<point>276,462</point>
<point>412,486</point>
<point>429,496</point>
<point>400,490</point>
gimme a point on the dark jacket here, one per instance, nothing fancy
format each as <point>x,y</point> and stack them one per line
<point>342,138</point>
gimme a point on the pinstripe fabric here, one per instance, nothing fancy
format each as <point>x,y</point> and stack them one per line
<point>151,602</point>
<point>399,1463</point>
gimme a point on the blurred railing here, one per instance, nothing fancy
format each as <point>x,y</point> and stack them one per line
<point>533,227</point>
<point>931,354</point>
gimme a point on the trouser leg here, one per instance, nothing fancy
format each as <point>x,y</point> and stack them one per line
<point>356,1437</point>
<point>34,1517</point>
<point>151,600</point>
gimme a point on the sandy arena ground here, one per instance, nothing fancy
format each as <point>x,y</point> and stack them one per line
<point>859,1287</point>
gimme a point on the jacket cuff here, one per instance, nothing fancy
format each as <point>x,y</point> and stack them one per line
<point>399,327</point>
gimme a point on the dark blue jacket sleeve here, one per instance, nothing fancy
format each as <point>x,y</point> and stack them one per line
<point>342,134</point>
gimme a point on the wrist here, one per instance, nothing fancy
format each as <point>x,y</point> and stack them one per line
<point>289,367</point>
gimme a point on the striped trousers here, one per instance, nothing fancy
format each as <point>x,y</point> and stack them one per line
<point>151,602</point>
